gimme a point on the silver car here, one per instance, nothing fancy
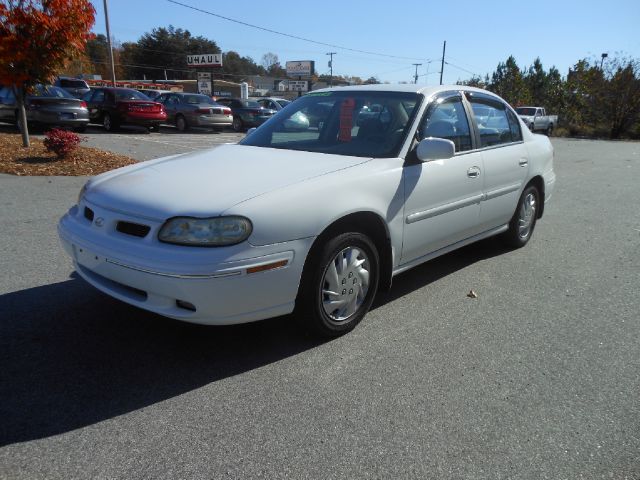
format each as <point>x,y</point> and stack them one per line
<point>46,105</point>
<point>195,110</point>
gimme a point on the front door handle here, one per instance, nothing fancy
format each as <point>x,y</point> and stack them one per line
<point>523,162</point>
<point>473,172</point>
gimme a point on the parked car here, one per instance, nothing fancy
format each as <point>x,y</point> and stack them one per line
<point>194,110</point>
<point>152,94</point>
<point>272,103</point>
<point>45,105</point>
<point>113,107</point>
<point>75,86</point>
<point>537,120</point>
<point>311,221</point>
<point>246,113</point>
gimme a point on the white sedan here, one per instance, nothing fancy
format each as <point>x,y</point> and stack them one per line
<point>317,219</point>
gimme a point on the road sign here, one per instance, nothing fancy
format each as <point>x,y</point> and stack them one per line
<point>205,60</point>
<point>298,85</point>
<point>204,87</point>
<point>300,68</point>
<point>204,76</point>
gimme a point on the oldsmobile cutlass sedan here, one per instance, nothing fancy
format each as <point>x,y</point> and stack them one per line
<point>312,217</point>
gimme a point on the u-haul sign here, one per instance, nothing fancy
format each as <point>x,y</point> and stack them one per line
<point>205,60</point>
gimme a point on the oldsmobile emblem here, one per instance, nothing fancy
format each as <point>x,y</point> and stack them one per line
<point>99,222</point>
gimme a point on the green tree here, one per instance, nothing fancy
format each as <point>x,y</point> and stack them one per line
<point>508,82</point>
<point>237,67</point>
<point>164,50</point>
<point>536,81</point>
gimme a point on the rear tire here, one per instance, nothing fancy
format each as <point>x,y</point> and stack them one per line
<point>181,123</point>
<point>109,124</point>
<point>524,219</point>
<point>549,130</point>
<point>339,283</point>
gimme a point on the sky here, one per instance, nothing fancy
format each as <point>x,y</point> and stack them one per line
<point>397,34</point>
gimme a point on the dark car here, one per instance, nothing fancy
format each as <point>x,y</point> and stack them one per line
<point>113,107</point>
<point>195,110</point>
<point>246,113</point>
<point>75,86</point>
<point>45,105</point>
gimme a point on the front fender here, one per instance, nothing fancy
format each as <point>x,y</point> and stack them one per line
<point>305,209</point>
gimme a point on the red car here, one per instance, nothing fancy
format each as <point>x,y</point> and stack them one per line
<point>113,107</point>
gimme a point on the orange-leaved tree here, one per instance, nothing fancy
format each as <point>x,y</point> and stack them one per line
<point>37,38</point>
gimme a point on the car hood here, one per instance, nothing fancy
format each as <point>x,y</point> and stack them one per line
<point>208,182</point>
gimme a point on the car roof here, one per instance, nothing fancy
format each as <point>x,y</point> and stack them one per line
<point>426,90</point>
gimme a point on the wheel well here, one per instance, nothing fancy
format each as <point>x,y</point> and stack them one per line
<point>538,182</point>
<point>369,224</point>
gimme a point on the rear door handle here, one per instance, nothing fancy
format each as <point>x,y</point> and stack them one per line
<point>473,172</point>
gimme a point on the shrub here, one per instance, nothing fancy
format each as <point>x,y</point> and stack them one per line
<point>61,142</point>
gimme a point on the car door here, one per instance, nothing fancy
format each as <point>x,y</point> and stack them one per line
<point>505,159</point>
<point>171,106</point>
<point>7,104</point>
<point>94,104</point>
<point>442,197</point>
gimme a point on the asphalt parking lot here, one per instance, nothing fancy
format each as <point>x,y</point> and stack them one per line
<point>538,377</point>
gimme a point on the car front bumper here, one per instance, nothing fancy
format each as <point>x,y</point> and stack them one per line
<point>213,286</point>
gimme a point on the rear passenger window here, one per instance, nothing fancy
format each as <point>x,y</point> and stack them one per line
<point>448,120</point>
<point>514,126</point>
<point>492,121</point>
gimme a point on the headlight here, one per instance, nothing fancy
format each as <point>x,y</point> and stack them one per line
<point>205,232</point>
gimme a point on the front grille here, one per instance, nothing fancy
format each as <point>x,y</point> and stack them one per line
<point>88,214</point>
<point>134,229</point>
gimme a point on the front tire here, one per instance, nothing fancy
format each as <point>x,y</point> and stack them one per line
<point>524,219</point>
<point>339,284</point>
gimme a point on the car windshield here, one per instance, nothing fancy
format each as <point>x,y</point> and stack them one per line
<point>127,94</point>
<point>196,99</point>
<point>340,123</point>
<point>529,112</point>
<point>64,82</point>
<point>50,91</point>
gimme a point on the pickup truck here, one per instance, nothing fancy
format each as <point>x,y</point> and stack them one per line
<point>536,119</point>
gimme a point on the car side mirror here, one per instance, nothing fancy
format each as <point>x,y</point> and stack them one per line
<point>432,148</point>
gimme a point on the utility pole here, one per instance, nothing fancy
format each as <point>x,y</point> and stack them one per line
<point>444,47</point>
<point>331,54</point>
<point>415,77</point>
<point>106,20</point>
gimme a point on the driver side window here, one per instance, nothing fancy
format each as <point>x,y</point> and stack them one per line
<point>447,119</point>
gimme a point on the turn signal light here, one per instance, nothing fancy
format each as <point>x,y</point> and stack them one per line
<point>268,266</point>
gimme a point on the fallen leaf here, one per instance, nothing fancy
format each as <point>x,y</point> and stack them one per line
<point>472,294</point>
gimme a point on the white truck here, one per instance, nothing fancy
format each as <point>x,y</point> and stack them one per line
<point>537,120</point>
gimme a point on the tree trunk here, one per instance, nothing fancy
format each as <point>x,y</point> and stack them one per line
<point>22,115</point>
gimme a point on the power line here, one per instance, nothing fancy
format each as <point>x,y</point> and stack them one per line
<point>264,29</point>
<point>463,69</point>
